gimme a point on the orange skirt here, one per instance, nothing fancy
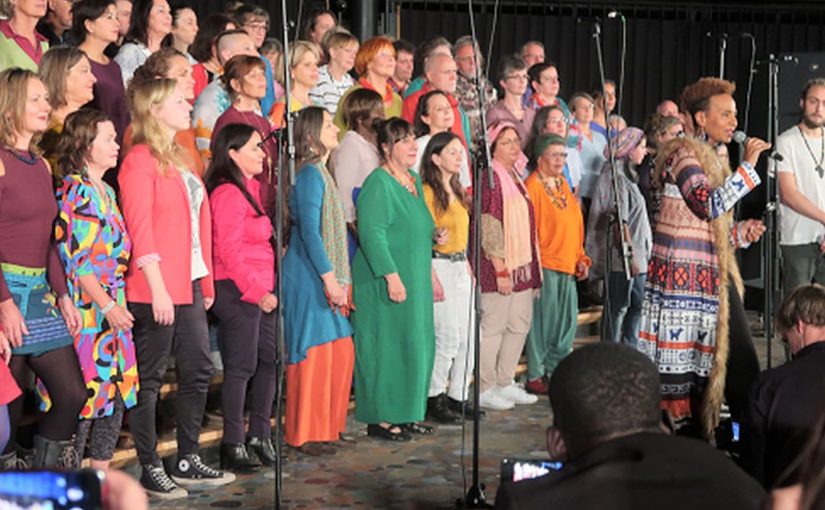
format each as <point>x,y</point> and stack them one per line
<point>317,393</point>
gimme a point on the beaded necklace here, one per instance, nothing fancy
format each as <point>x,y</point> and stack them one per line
<point>555,191</point>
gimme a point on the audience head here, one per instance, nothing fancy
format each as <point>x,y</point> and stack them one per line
<point>660,130</point>
<point>88,141</point>
<point>68,74</point>
<point>532,53</point>
<point>315,135</point>
<point>124,16</point>
<point>812,103</point>
<point>360,109</point>
<point>512,75</point>
<point>303,60</point>
<point>600,392</point>
<point>375,57</point>
<point>254,20</point>
<point>149,17</point>
<point>244,76</point>
<point>801,317</point>
<point>184,27</point>
<point>544,79</point>
<point>582,106</point>
<point>273,51</point>
<point>318,23</point>
<point>340,48</point>
<point>159,110</point>
<point>434,114</point>
<point>464,57</point>
<point>667,108</point>
<point>550,153</point>
<point>505,143</point>
<point>166,63</point>
<point>711,108</point>
<point>396,142</point>
<point>59,14</point>
<point>433,46</point>
<point>233,42</point>
<point>442,73</point>
<point>95,19</point>
<point>238,156</point>
<point>31,9</point>
<point>203,48</point>
<point>443,158</point>
<point>24,101</point>
<point>605,98</point>
<point>630,144</point>
<point>404,61</point>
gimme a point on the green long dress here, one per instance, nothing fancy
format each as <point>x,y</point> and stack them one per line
<point>394,342</point>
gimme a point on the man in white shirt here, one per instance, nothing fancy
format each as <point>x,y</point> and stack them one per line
<point>802,191</point>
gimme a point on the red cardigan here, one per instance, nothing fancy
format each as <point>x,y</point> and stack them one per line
<point>156,209</point>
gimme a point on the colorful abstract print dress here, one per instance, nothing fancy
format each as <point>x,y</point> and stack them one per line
<point>91,239</point>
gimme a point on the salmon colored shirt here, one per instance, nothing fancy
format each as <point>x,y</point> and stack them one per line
<point>185,139</point>
<point>560,230</point>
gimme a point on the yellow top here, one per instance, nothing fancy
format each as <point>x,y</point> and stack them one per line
<point>456,219</point>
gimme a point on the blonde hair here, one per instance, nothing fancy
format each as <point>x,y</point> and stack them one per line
<point>147,128</point>
<point>54,71</point>
<point>14,84</point>
<point>297,50</point>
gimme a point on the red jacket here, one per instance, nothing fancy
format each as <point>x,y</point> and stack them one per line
<point>156,209</point>
<point>242,249</point>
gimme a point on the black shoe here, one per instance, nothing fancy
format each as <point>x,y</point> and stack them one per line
<point>387,433</point>
<point>235,458</point>
<point>439,412</point>
<point>158,484</point>
<point>456,405</point>
<point>263,448</point>
<point>190,470</point>
<point>417,428</point>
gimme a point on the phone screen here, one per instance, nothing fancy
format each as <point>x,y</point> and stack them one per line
<point>517,470</point>
<point>51,490</point>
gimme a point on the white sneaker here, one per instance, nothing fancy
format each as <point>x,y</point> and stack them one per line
<point>490,399</point>
<point>516,394</point>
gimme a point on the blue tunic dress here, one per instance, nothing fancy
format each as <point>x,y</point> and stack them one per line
<point>308,319</point>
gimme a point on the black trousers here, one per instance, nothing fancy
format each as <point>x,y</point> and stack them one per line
<point>247,341</point>
<point>743,364</point>
<point>188,340</point>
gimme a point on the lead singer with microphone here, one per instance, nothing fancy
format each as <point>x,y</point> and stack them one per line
<point>693,321</point>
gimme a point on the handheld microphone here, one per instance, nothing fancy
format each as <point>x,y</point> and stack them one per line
<point>741,138</point>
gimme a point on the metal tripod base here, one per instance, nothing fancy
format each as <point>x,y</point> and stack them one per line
<point>474,498</point>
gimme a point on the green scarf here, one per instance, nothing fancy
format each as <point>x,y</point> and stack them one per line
<point>334,229</point>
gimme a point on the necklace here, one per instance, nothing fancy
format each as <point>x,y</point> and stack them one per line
<point>407,183</point>
<point>32,159</point>
<point>819,169</point>
<point>555,191</point>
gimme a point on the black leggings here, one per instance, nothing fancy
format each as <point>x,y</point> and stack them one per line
<point>743,364</point>
<point>60,372</point>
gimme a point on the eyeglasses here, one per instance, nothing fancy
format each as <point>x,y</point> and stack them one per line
<point>557,155</point>
<point>256,27</point>
<point>508,142</point>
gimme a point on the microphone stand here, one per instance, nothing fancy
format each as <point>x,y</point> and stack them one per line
<point>475,497</point>
<point>616,217</point>
<point>280,194</point>
<point>770,239</point>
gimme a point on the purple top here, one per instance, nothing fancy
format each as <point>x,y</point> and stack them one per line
<point>28,209</point>
<point>110,96</point>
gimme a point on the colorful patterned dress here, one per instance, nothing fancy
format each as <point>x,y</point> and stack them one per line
<point>91,239</point>
<point>684,327</point>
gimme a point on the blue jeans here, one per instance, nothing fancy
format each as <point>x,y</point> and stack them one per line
<point>623,308</point>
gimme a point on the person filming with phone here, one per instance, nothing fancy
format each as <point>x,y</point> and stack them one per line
<point>608,432</point>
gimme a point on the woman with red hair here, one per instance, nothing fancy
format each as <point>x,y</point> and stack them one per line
<point>375,64</point>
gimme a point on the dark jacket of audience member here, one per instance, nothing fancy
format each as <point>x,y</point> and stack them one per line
<point>605,402</point>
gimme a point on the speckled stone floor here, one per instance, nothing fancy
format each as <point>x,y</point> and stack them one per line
<point>423,474</point>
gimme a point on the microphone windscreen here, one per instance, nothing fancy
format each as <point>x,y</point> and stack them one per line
<point>739,136</point>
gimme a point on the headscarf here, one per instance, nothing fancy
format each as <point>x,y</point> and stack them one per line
<point>624,143</point>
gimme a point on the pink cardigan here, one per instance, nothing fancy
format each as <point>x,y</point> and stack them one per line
<point>156,209</point>
<point>242,249</point>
